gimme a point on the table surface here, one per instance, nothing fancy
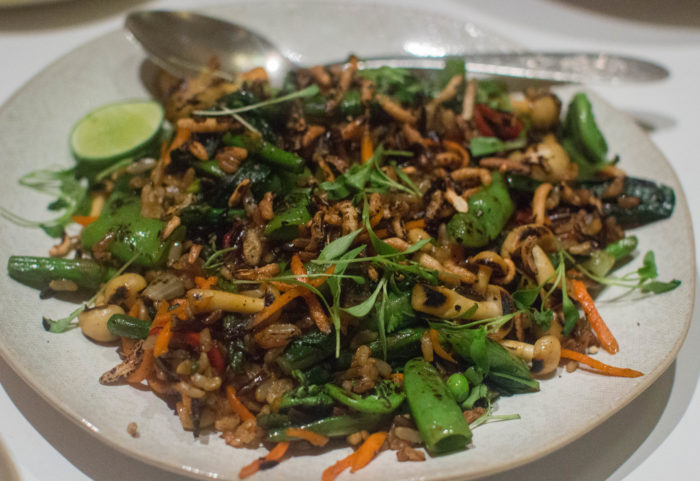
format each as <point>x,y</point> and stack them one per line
<point>648,439</point>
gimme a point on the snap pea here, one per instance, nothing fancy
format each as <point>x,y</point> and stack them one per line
<point>266,151</point>
<point>438,418</point>
<point>40,271</point>
<point>133,238</point>
<point>127,326</point>
<point>488,212</point>
<point>385,398</point>
<point>459,386</point>
<point>505,371</point>
<point>582,139</point>
<point>336,426</point>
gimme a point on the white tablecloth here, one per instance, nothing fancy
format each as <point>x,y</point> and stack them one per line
<point>655,437</point>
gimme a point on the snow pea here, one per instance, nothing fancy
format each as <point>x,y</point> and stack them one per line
<point>489,210</point>
<point>437,415</point>
<point>385,398</point>
<point>131,235</point>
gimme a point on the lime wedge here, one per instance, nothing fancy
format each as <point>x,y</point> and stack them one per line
<point>115,131</point>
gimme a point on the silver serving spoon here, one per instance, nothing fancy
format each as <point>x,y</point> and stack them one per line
<point>184,42</point>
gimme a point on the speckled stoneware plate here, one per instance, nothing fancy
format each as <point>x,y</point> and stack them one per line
<point>34,127</point>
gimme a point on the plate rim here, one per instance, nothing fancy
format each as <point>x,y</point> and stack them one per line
<point>557,444</point>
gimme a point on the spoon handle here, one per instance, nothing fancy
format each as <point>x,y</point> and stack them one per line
<point>552,66</point>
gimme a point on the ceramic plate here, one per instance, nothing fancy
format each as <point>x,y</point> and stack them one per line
<point>34,127</point>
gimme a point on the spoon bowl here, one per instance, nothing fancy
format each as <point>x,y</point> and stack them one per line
<point>184,42</point>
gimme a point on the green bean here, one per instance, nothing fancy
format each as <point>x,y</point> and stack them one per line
<point>385,398</point>
<point>266,151</point>
<point>488,212</point>
<point>438,418</point>
<point>40,271</point>
<point>336,426</point>
<point>582,138</point>
<point>127,326</point>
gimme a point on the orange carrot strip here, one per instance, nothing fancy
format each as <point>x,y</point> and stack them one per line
<point>163,339</point>
<point>237,406</point>
<point>282,286</point>
<point>181,136</point>
<point>415,224</point>
<point>275,455</point>
<point>366,148</point>
<point>84,219</point>
<point>207,283</point>
<point>368,450</point>
<point>455,147</point>
<point>437,348</point>
<point>381,233</point>
<point>298,268</point>
<point>332,472</point>
<point>286,298</point>
<point>144,368</point>
<point>604,368</point>
<point>607,340</point>
<point>310,436</point>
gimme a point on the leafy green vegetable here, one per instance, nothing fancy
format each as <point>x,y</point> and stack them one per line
<point>398,83</point>
<point>307,92</point>
<point>494,94</point>
<point>481,146</point>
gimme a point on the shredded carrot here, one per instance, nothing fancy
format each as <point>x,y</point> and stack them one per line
<point>604,368</point>
<point>415,224</point>
<point>310,436</point>
<point>163,339</point>
<point>144,368</point>
<point>458,149</point>
<point>273,456</point>
<point>366,148</point>
<point>368,450</point>
<point>332,472</point>
<point>397,378</point>
<point>282,286</point>
<point>437,348</point>
<point>181,136</point>
<point>207,283</point>
<point>286,298</point>
<point>297,268</point>
<point>607,340</point>
<point>381,233</point>
<point>84,219</point>
<point>237,406</point>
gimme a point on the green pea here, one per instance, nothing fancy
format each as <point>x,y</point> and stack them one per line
<point>458,386</point>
